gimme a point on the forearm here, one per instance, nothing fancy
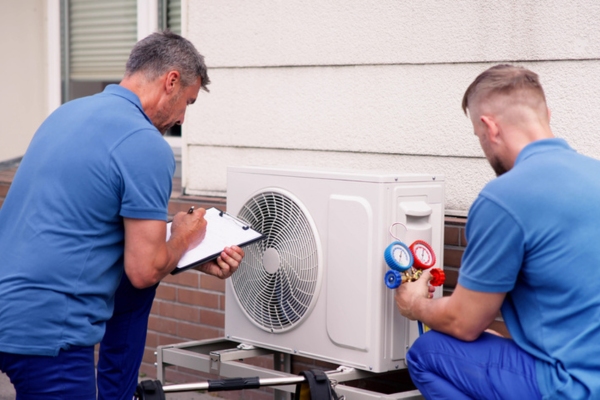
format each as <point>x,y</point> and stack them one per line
<point>439,315</point>
<point>154,266</point>
<point>164,261</point>
<point>464,314</point>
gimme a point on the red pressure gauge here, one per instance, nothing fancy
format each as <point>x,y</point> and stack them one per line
<point>423,254</point>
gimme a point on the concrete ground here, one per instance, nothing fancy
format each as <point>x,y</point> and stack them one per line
<point>7,392</point>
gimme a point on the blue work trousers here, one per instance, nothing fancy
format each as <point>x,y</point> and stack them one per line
<point>69,375</point>
<point>491,367</point>
<point>122,348</point>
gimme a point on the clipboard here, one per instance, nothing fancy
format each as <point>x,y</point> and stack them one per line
<point>222,230</point>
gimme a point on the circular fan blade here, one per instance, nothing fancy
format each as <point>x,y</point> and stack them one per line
<point>277,281</point>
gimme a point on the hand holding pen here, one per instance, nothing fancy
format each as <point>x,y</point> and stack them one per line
<point>190,225</point>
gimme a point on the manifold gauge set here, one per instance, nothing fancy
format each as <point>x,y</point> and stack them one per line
<point>407,263</point>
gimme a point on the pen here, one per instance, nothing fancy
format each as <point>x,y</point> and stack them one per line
<point>191,210</point>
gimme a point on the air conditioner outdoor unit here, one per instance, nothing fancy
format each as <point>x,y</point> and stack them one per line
<point>315,286</point>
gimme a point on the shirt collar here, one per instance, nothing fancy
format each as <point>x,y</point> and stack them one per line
<point>542,146</point>
<point>127,94</point>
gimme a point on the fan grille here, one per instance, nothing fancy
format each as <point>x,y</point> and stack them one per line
<point>276,299</point>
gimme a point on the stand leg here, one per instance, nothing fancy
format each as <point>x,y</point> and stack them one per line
<point>282,362</point>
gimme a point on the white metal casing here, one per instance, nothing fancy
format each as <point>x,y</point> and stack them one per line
<point>354,321</point>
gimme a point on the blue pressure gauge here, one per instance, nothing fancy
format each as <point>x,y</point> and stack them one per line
<point>398,256</point>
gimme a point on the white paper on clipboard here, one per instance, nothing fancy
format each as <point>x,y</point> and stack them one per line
<point>222,230</point>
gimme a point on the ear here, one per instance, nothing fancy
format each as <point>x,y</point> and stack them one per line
<point>492,128</point>
<point>172,80</point>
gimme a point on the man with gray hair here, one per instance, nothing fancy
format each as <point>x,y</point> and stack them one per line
<point>83,228</point>
<point>532,254</point>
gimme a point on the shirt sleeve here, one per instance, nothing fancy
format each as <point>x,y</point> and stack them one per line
<point>144,165</point>
<point>495,248</point>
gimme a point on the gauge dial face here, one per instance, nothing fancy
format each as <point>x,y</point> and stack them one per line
<point>398,256</point>
<point>401,255</point>
<point>423,253</point>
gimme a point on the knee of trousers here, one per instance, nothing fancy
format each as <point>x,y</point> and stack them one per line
<point>424,344</point>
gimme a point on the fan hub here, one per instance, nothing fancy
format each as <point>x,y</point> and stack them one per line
<point>271,260</point>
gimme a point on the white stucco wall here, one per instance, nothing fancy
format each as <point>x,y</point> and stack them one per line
<point>24,69</point>
<point>376,84</point>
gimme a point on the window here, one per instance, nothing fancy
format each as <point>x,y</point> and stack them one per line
<point>97,39</point>
<point>169,15</point>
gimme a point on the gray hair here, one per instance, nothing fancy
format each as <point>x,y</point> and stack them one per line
<point>164,51</point>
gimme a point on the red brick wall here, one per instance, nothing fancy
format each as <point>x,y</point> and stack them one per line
<point>454,246</point>
<point>6,177</point>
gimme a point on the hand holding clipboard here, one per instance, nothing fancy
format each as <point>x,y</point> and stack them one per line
<point>223,230</point>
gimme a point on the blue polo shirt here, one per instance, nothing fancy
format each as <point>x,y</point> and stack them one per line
<point>92,162</point>
<point>533,233</point>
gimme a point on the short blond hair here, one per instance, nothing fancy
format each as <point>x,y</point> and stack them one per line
<point>503,79</point>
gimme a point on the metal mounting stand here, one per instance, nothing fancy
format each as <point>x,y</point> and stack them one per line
<point>222,357</point>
